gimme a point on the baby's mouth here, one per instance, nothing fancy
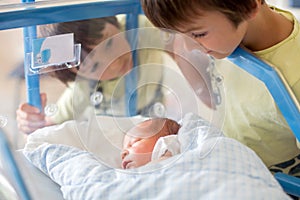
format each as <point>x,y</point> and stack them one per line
<point>125,163</point>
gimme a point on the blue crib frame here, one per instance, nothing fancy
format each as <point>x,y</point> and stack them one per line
<point>28,15</point>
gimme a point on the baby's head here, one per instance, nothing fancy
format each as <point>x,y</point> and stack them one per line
<point>140,140</point>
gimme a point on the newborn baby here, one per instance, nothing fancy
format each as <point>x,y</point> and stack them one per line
<point>140,140</point>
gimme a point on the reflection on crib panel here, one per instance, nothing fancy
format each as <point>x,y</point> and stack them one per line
<point>182,88</point>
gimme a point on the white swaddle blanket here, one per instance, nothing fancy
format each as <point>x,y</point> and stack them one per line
<point>209,166</point>
<point>181,142</point>
<point>168,143</point>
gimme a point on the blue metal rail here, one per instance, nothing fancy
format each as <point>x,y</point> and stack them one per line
<point>37,13</point>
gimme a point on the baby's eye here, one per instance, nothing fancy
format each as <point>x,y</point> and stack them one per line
<point>136,140</point>
<point>199,35</point>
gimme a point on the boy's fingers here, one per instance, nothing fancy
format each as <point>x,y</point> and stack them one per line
<point>32,124</point>
<point>28,108</point>
<point>29,116</point>
<point>27,126</point>
<point>27,129</point>
<point>43,100</point>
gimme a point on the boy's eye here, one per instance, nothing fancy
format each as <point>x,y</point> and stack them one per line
<point>199,35</point>
<point>108,43</point>
<point>94,67</point>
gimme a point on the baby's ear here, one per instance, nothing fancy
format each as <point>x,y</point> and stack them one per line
<point>173,127</point>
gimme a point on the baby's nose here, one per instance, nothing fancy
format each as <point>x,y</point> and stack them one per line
<point>124,153</point>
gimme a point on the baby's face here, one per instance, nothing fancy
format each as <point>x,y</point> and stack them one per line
<point>140,140</point>
<point>137,151</point>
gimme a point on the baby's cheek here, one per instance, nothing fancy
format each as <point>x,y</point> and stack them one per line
<point>141,159</point>
<point>143,148</point>
<point>140,150</point>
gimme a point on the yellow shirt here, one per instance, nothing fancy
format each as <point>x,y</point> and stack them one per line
<point>285,55</point>
<point>251,115</point>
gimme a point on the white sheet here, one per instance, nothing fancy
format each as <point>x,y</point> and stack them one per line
<point>212,167</point>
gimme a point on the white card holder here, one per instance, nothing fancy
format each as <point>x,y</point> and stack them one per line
<point>53,53</point>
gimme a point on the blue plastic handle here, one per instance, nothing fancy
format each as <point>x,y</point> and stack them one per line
<point>290,184</point>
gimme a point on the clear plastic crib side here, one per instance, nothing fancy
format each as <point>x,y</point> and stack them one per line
<point>283,96</point>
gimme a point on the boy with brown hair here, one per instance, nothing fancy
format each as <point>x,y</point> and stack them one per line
<point>272,34</point>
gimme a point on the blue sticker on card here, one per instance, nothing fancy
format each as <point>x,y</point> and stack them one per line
<point>53,50</point>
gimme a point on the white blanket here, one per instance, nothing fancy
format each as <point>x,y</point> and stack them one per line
<point>210,167</point>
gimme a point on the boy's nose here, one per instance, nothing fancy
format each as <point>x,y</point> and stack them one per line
<point>124,153</point>
<point>187,43</point>
<point>191,45</point>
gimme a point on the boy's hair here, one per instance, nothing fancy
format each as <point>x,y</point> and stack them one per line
<point>86,32</point>
<point>173,14</point>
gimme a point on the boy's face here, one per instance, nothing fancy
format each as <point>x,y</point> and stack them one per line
<point>139,142</point>
<point>215,33</point>
<point>110,59</point>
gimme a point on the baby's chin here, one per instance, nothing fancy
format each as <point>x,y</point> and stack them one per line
<point>128,165</point>
<point>133,165</point>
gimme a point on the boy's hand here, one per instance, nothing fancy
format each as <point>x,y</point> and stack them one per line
<point>30,118</point>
